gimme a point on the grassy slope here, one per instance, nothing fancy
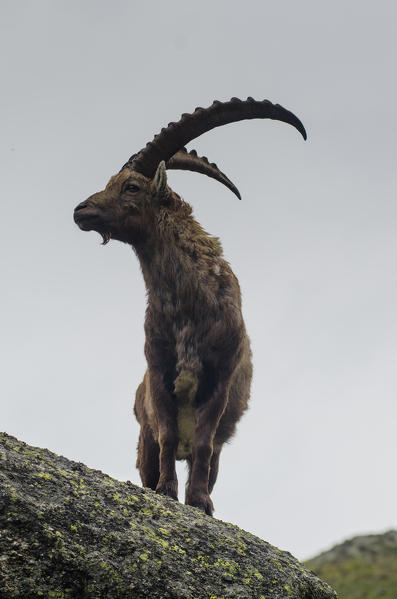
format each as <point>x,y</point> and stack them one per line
<point>361,568</point>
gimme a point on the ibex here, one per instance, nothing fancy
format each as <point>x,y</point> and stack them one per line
<point>197,383</point>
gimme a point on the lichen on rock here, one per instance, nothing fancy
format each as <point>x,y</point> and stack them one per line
<point>67,531</point>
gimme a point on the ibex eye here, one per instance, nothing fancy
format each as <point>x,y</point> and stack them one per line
<point>131,187</point>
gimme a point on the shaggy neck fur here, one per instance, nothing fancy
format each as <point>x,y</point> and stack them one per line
<point>178,257</point>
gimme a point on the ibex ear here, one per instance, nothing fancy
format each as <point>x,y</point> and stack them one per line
<point>160,180</point>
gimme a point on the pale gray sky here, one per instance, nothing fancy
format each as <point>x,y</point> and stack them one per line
<point>86,84</point>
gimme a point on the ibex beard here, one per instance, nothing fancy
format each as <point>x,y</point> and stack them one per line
<point>199,368</point>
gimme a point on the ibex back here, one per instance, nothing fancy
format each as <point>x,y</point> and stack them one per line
<point>197,383</point>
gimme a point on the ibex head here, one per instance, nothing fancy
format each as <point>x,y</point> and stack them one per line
<point>131,197</point>
<point>122,208</point>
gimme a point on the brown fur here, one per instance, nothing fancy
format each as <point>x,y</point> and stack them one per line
<point>197,383</point>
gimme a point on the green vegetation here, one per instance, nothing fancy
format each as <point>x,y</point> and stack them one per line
<point>362,568</point>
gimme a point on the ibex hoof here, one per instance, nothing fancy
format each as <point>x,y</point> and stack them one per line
<point>202,502</point>
<point>169,488</point>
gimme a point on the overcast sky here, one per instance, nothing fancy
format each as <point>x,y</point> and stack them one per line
<point>87,83</point>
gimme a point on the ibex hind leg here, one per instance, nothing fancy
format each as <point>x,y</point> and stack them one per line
<point>148,458</point>
<point>213,468</point>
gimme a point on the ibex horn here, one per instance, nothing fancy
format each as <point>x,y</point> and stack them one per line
<point>177,135</point>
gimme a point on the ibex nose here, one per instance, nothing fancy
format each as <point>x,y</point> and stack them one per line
<point>81,206</point>
<point>79,214</point>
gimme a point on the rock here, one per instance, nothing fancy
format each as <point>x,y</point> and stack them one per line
<point>71,532</point>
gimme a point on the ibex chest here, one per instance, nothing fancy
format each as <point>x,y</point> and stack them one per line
<point>185,388</point>
<point>186,428</point>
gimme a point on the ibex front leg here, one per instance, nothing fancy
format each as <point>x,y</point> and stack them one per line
<point>166,419</point>
<point>207,420</point>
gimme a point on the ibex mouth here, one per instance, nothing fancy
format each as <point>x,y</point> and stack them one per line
<point>87,220</point>
<point>84,217</point>
<point>84,221</point>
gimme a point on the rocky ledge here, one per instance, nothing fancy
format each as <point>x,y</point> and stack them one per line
<point>67,531</point>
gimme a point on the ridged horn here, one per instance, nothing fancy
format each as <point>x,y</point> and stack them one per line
<point>190,161</point>
<point>177,135</point>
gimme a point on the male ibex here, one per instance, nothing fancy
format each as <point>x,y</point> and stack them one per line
<point>199,371</point>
